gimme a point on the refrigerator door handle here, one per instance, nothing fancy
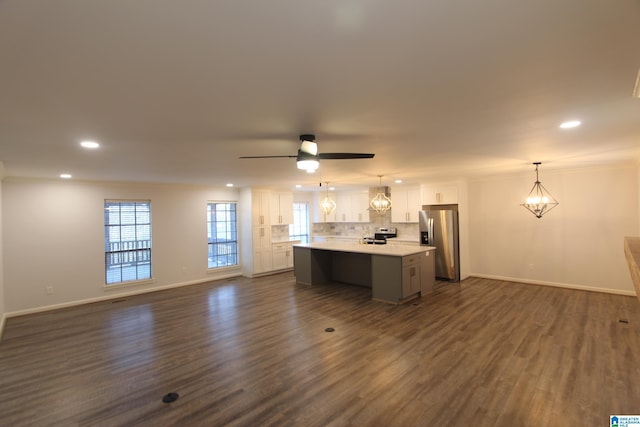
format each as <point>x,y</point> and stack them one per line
<point>431,235</point>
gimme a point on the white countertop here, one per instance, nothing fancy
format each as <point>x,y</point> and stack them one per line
<point>287,240</point>
<point>402,240</point>
<point>389,249</point>
<point>338,238</point>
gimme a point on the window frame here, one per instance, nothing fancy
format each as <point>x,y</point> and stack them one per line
<point>230,228</point>
<point>307,228</point>
<point>136,248</point>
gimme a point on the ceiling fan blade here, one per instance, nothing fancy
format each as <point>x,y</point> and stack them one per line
<point>345,155</point>
<point>266,157</point>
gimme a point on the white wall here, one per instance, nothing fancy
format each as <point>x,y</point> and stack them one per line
<point>246,230</point>
<point>53,236</point>
<point>463,225</point>
<point>638,175</point>
<point>2,304</point>
<point>306,196</point>
<point>578,244</point>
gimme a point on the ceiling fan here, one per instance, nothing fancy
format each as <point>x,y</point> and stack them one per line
<point>308,156</point>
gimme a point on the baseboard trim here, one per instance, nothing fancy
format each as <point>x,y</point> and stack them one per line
<point>237,274</point>
<point>556,284</point>
<point>2,321</point>
<point>114,296</point>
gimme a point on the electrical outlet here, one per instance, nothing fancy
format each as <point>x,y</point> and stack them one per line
<point>49,290</point>
<point>531,267</point>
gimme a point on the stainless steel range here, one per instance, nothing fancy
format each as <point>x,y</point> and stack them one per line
<point>381,235</point>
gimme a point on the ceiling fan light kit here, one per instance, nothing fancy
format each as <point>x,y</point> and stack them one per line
<point>539,201</point>
<point>308,144</point>
<point>308,158</point>
<point>308,164</point>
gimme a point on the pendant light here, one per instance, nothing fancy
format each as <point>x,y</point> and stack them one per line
<point>539,201</point>
<point>381,203</point>
<point>327,205</point>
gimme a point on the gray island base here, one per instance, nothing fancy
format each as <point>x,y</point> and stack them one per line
<point>395,273</point>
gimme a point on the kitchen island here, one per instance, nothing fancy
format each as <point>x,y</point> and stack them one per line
<point>395,273</point>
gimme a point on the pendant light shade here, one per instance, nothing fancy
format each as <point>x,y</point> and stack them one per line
<point>327,206</point>
<point>539,201</point>
<point>380,203</point>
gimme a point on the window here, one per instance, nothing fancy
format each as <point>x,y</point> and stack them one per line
<point>127,240</point>
<point>299,230</point>
<point>222,234</point>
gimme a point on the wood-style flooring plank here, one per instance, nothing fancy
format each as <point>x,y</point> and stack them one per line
<point>253,352</point>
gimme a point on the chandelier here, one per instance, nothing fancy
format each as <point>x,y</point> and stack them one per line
<point>539,201</point>
<point>327,205</point>
<point>380,203</point>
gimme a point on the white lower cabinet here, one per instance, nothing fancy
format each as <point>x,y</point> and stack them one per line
<point>410,281</point>
<point>282,255</point>
<point>410,276</point>
<point>262,261</point>
<point>290,256</point>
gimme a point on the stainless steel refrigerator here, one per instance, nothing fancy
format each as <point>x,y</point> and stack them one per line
<point>439,228</point>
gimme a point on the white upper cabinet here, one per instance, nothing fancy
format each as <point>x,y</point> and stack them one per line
<point>343,207</point>
<point>260,201</point>
<point>351,206</point>
<point>439,194</point>
<point>360,207</point>
<point>405,204</point>
<point>322,217</point>
<point>281,208</point>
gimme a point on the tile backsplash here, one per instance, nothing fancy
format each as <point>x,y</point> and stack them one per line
<point>279,232</point>
<point>358,229</point>
<point>349,229</point>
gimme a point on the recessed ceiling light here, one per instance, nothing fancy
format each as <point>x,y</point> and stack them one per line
<point>229,185</point>
<point>332,188</point>
<point>65,175</point>
<point>570,124</point>
<point>398,181</point>
<point>298,186</point>
<point>89,144</point>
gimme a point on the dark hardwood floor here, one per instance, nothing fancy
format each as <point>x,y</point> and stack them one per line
<point>254,352</point>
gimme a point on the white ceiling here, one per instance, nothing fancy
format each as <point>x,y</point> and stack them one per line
<point>176,91</point>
